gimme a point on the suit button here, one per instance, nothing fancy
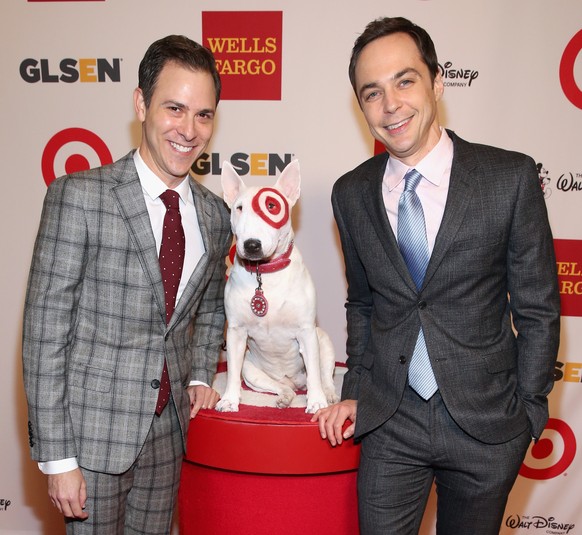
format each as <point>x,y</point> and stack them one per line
<point>421,305</point>
<point>402,359</point>
<point>155,384</point>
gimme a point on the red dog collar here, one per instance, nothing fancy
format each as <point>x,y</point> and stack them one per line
<point>272,266</point>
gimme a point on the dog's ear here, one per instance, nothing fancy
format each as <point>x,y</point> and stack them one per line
<point>232,184</point>
<point>289,182</point>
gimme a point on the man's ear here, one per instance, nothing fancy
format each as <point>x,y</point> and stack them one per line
<point>438,86</point>
<point>139,104</point>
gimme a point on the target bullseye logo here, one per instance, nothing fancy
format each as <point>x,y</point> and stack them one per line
<point>552,454</point>
<point>567,67</point>
<point>271,206</point>
<point>71,144</point>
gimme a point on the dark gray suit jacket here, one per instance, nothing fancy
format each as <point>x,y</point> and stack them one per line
<point>493,260</point>
<point>95,335</point>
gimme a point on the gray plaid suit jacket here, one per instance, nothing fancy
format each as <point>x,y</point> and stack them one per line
<point>95,335</point>
<point>494,240</point>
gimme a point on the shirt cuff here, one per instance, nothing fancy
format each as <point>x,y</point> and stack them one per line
<point>58,467</point>
<point>198,383</point>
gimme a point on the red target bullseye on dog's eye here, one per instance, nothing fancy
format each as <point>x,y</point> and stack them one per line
<point>271,206</point>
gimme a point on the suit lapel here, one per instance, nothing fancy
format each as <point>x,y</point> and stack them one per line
<point>374,200</point>
<point>197,282</point>
<point>460,192</point>
<point>128,195</point>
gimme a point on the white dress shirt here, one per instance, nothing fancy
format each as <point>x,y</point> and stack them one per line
<point>152,188</point>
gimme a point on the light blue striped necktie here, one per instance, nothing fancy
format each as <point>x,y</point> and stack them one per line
<point>414,248</point>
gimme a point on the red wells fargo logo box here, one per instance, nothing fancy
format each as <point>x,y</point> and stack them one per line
<point>247,46</point>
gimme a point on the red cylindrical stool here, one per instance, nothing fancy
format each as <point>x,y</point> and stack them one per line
<point>265,471</point>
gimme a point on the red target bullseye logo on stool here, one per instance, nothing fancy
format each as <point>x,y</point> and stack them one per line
<point>75,161</point>
<point>552,454</point>
<point>271,206</point>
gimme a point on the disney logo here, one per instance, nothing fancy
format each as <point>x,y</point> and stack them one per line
<point>537,522</point>
<point>447,71</point>
<point>567,183</point>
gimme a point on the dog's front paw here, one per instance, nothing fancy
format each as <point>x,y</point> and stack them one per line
<point>227,405</point>
<point>331,397</point>
<point>285,398</point>
<point>315,405</point>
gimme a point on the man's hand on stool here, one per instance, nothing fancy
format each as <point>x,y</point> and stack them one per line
<point>332,419</point>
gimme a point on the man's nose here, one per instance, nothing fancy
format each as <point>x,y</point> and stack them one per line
<point>391,102</point>
<point>187,128</point>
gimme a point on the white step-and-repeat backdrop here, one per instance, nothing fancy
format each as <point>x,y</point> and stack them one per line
<point>513,77</point>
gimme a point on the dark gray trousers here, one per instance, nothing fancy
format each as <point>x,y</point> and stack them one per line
<point>420,444</point>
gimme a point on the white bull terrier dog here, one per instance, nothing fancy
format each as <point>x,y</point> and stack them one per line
<point>270,300</point>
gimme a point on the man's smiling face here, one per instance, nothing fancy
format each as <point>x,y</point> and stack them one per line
<point>178,123</point>
<point>398,97</point>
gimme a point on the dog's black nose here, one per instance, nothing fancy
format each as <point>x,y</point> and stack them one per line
<point>253,247</point>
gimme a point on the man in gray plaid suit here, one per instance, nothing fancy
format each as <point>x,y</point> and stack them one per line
<point>95,334</point>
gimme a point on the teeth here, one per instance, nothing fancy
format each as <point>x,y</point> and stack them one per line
<point>397,125</point>
<point>180,148</point>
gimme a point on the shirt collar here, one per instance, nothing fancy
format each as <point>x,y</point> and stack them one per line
<point>432,166</point>
<point>153,185</point>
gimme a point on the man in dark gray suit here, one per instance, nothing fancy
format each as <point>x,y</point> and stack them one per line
<point>445,242</point>
<point>101,336</point>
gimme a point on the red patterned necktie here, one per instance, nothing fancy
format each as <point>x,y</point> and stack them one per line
<point>171,262</point>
